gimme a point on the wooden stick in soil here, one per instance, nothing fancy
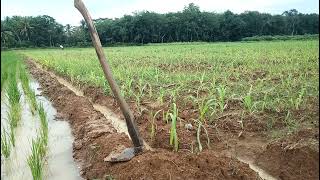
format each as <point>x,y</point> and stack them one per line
<point>132,128</point>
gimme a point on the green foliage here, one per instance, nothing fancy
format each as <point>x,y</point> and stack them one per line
<point>188,25</point>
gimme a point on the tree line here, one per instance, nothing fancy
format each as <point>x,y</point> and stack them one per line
<point>190,24</point>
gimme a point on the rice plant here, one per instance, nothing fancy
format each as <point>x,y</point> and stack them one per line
<point>29,93</point>
<point>4,77</point>
<point>5,143</point>
<point>173,130</point>
<point>44,123</point>
<point>35,160</point>
<point>14,115</point>
<point>13,91</point>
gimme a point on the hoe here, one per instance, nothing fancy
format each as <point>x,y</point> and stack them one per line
<point>127,153</point>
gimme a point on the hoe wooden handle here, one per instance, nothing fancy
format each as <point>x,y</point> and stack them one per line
<point>132,128</point>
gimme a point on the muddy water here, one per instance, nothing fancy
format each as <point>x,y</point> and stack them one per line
<point>59,162</point>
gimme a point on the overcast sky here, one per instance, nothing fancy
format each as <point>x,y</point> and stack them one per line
<point>65,13</point>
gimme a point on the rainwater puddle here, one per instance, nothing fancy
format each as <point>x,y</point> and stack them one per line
<point>59,161</point>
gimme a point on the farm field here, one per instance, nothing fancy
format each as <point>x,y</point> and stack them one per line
<point>228,104</point>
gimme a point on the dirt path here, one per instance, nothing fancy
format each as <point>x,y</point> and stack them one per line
<point>95,137</point>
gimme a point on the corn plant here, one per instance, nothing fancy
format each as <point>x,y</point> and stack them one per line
<point>248,101</point>
<point>204,108</point>
<point>161,95</point>
<point>173,130</point>
<point>153,124</point>
<point>165,116</point>
<point>221,97</point>
<point>296,103</point>
<point>5,143</point>
<point>291,123</point>
<point>199,126</point>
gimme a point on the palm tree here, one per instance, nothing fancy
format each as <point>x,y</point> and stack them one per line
<point>25,27</point>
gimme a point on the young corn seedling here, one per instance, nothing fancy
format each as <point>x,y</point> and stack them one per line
<point>165,116</point>
<point>153,124</point>
<point>221,97</point>
<point>5,143</point>
<point>201,86</point>
<point>204,108</point>
<point>173,130</point>
<point>248,101</point>
<point>290,122</point>
<point>161,95</point>
<point>199,124</point>
<point>298,101</point>
<point>264,102</point>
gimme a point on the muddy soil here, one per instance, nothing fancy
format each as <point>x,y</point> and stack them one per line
<point>230,140</point>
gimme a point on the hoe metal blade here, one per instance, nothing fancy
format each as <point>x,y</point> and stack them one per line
<point>126,155</point>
